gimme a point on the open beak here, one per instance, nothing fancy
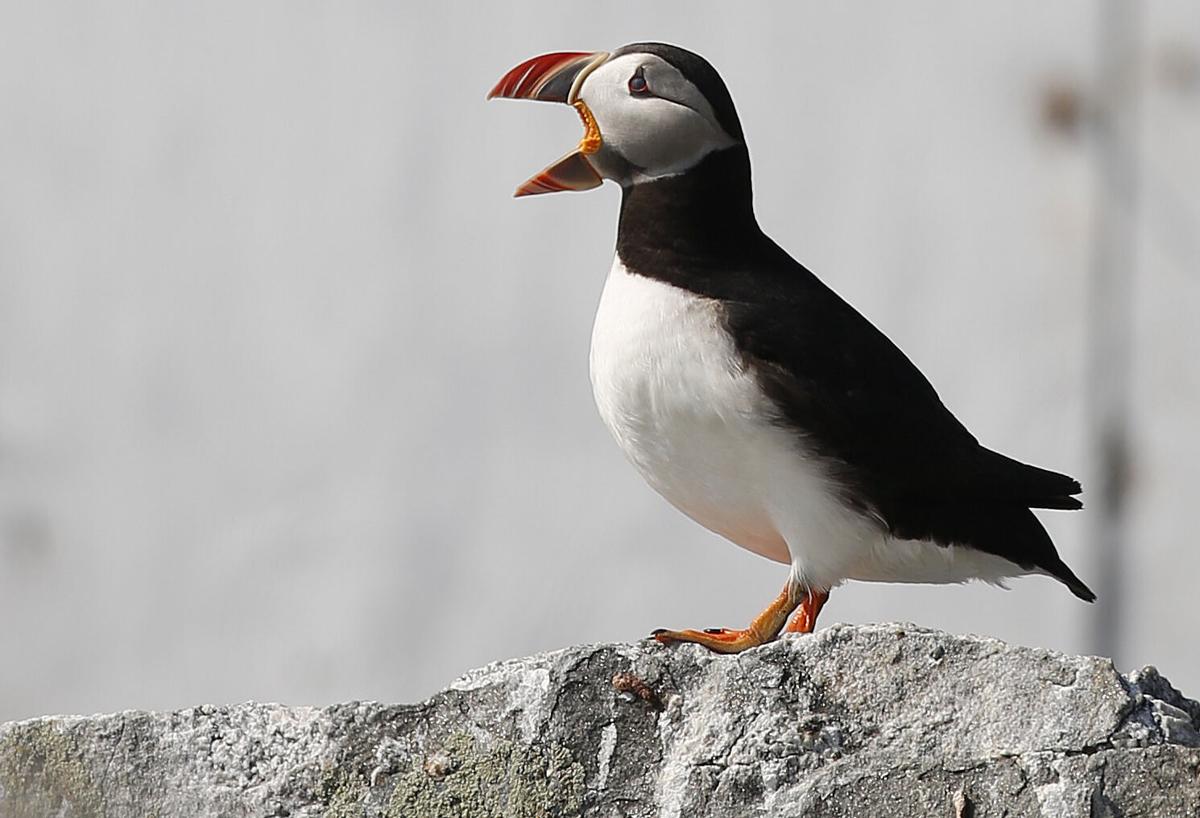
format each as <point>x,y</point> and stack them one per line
<point>557,77</point>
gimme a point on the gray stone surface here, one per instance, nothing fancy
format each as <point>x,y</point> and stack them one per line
<point>886,720</point>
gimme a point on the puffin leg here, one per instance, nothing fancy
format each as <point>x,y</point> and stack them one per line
<point>765,627</point>
<point>806,615</point>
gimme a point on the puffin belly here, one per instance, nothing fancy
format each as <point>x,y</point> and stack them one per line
<point>673,392</point>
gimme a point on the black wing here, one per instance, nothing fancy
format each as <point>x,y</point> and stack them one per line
<point>860,403</point>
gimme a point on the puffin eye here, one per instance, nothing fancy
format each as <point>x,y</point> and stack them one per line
<point>637,83</point>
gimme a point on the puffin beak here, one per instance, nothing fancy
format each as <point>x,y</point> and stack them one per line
<point>558,77</point>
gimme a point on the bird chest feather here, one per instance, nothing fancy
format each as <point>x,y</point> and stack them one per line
<point>672,391</point>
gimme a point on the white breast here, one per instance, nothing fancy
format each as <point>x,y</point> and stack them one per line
<point>672,390</point>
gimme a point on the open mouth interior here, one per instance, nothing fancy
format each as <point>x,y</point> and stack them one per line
<point>591,141</point>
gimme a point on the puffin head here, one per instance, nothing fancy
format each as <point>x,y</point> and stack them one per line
<point>649,110</point>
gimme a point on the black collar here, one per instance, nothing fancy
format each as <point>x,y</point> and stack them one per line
<point>697,229</point>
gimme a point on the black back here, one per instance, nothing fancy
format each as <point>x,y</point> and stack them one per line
<point>851,397</point>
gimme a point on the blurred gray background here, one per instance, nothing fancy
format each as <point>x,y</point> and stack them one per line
<point>294,400</point>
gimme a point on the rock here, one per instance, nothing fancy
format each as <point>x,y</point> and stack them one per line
<point>880,720</point>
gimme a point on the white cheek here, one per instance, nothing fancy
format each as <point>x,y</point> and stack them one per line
<point>665,138</point>
<point>658,136</point>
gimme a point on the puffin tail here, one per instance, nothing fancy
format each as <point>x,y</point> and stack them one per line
<point>1045,556</point>
<point>1012,531</point>
<point>1066,576</point>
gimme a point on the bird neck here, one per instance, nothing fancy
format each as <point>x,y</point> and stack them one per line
<point>705,213</point>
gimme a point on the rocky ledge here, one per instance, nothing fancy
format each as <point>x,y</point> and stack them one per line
<point>885,720</point>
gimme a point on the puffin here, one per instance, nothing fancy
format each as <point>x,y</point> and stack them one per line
<point>743,389</point>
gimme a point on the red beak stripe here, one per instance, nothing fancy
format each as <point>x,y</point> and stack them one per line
<point>547,78</point>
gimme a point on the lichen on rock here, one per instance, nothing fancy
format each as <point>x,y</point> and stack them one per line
<point>504,780</point>
<point>43,772</point>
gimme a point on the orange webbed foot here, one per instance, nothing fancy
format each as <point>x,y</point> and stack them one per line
<point>765,627</point>
<point>720,640</point>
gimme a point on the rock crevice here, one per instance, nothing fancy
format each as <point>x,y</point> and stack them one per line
<point>876,720</point>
